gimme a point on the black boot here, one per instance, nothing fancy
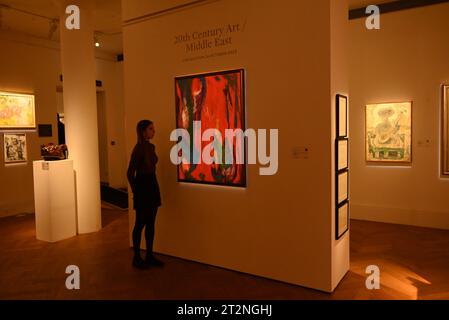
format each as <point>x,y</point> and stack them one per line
<point>151,260</point>
<point>138,262</point>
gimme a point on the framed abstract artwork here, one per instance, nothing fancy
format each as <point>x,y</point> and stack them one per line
<point>342,116</point>
<point>445,132</point>
<point>17,111</point>
<point>388,135</point>
<point>342,223</point>
<point>15,148</point>
<point>212,101</point>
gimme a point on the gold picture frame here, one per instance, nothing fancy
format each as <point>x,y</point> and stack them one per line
<point>17,111</point>
<point>388,132</point>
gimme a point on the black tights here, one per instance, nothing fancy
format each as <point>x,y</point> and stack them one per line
<point>145,218</point>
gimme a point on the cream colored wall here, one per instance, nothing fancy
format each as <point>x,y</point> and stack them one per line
<point>33,65</point>
<point>30,69</point>
<point>281,226</point>
<point>407,60</point>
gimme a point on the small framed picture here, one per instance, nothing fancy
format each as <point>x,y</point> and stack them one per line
<point>342,154</point>
<point>342,116</point>
<point>342,223</point>
<point>15,148</point>
<point>342,187</point>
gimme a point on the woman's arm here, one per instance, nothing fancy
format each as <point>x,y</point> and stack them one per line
<point>131,174</point>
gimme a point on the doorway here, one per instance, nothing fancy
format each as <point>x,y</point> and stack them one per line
<point>102,138</point>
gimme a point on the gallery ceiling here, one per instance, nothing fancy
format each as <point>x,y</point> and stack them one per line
<point>355,4</point>
<point>35,18</point>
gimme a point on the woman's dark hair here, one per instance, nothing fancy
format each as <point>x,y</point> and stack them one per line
<point>141,127</point>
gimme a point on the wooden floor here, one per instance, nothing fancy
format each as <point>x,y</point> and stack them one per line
<point>414,264</point>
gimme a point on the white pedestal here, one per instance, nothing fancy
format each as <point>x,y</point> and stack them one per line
<point>54,199</point>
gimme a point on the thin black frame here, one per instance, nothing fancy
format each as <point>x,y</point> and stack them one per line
<point>337,153</point>
<point>338,204</point>
<point>243,93</point>
<point>337,189</point>
<point>337,102</point>
<point>338,236</point>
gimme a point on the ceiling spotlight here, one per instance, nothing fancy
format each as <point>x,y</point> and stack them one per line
<point>96,41</point>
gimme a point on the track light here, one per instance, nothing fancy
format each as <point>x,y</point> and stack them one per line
<point>97,42</point>
<point>53,28</point>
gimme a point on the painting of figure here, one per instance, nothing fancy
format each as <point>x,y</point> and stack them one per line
<point>15,148</point>
<point>389,132</point>
<point>212,101</point>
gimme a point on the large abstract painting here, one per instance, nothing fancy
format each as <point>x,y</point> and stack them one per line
<point>17,111</point>
<point>216,101</point>
<point>389,132</point>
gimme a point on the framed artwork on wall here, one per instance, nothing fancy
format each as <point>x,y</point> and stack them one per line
<point>342,224</point>
<point>445,132</point>
<point>15,148</point>
<point>342,186</point>
<point>388,136</point>
<point>17,111</point>
<point>342,154</point>
<point>342,116</point>
<point>216,101</point>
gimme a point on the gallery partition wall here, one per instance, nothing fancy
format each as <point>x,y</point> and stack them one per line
<point>280,226</point>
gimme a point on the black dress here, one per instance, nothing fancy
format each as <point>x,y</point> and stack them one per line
<point>142,177</point>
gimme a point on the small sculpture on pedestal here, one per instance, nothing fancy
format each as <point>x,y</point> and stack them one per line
<point>52,152</point>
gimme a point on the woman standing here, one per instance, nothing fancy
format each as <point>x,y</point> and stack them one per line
<point>142,178</point>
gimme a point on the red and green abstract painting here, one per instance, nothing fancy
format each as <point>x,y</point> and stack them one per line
<point>217,101</point>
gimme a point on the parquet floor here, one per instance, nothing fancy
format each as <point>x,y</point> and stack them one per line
<point>414,264</point>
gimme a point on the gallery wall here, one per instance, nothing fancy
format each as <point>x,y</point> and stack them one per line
<point>22,73</point>
<point>406,60</point>
<point>280,226</point>
<point>33,66</point>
